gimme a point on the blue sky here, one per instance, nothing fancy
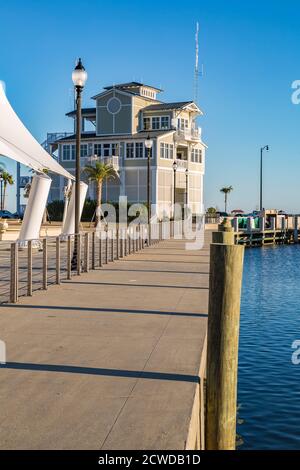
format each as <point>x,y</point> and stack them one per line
<point>250,51</point>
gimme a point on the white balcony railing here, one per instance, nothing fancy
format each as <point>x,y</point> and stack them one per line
<point>188,134</point>
<point>111,160</point>
<point>181,164</point>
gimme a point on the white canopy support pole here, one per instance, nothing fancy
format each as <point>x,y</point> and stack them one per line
<point>30,229</point>
<point>69,224</point>
<point>67,190</point>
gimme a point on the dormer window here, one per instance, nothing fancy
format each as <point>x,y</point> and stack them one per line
<point>147,124</point>
<point>156,123</point>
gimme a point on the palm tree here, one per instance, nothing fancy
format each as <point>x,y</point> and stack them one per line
<point>226,190</point>
<point>7,178</point>
<point>98,173</point>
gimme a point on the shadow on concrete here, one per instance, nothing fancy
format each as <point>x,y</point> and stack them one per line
<point>133,284</point>
<point>125,270</point>
<point>101,372</point>
<point>106,310</point>
<point>145,260</point>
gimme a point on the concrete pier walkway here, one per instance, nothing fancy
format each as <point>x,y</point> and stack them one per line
<point>110,359</point>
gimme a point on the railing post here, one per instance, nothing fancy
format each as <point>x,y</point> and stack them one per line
<point>45,263</point>
<point>122,243</point>
<point>29,268</point>
<point>86,252</point>
<point>100,249</point>
<point>93,250</point>
<point>126,242</point>
<point>78,236</point>
<point>14,284</point>
<point>106,247</point>
<point>129,240</point>
<point>112,246</point>
<point>57,260</point>
<point>69,258</point>
<point>117,242</point>
<point>226,267</point>
<point>149,235</point>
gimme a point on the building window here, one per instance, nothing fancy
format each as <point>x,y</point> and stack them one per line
<point>166,151</point>
<point>115,149</point>
<point>139,150</point>
<point>196,155</point>
<point>183,124</point>
<point>106,150</point>
<point>165,122</point>
<point>66,153</point>
<point>73,152</point>
<point>83,150</point>
<point>97,150</point>
<point>130,150</point>
<point>155,122</point>
<point>146,123</point>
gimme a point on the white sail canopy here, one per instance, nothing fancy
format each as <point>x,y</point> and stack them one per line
<point>16,142</point>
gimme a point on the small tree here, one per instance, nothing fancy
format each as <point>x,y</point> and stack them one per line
<point>211,211</point>
<point>99,173</point>
<point>226,190</point>
<point>7,178</point>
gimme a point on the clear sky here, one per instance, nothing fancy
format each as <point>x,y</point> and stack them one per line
<point>250,50</point>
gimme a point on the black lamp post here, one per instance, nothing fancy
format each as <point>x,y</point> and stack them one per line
<point>174,187</point>
<point>186,186</point>
<point>148,145</point>
<point>266,147</point>
<point>79,77</point>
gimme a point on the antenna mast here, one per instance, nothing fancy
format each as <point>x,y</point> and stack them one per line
<point>196,72</point>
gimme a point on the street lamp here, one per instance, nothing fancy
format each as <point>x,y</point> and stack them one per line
<point>266,147</point>
<point>148,145</point>
<point>174,186</point>
<point>79,77</point>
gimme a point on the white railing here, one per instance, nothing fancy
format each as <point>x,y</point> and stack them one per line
<point>181,164</point>
<point>188,134</point>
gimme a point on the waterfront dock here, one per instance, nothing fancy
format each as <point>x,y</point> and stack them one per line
<point>111,359</point>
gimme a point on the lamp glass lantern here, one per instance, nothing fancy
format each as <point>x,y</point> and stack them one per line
<point>148,142</point>
<point>79,75</point>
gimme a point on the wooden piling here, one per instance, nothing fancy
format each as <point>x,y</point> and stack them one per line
<point>226,265</point>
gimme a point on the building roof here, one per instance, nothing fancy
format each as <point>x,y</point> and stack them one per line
<point>137,136</point>
<point>131,85</point>
<point>84,112</point>
<point>167,106</point>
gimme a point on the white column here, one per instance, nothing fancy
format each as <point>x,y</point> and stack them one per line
<point>39,191</point>
<point>69,225</point>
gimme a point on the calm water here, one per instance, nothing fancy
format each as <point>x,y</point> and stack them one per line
<point>269,384</point>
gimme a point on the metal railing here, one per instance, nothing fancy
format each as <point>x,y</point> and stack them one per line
<point>37,264</point>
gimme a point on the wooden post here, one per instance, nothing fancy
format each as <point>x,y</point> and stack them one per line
<point>86,252</point>
<point>57,260</point>
<point>45,263</point>
<point>93,250</point>
<point>14,278</point>
<point>226,266</point>
<point>69,257</point>
<point>225,233</point>
<point>29,268</point>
